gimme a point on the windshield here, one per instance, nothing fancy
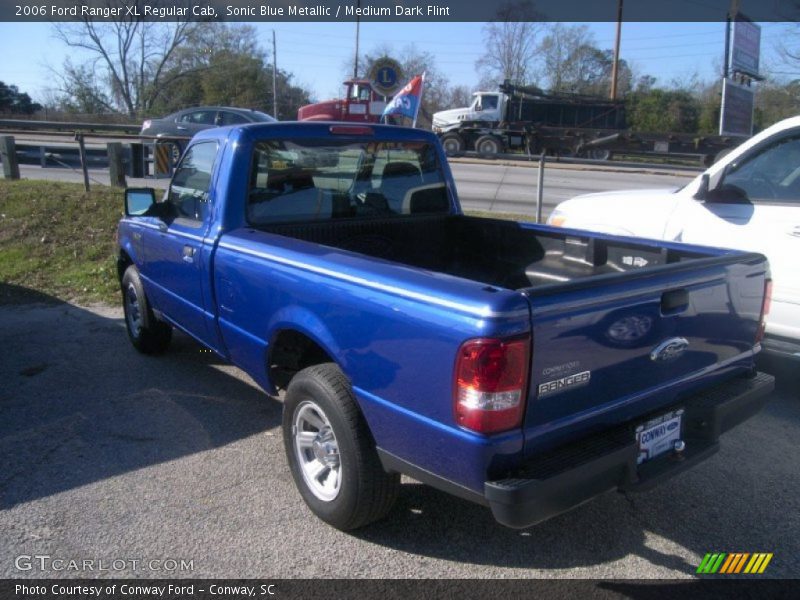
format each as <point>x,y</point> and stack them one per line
<point>302,180</point>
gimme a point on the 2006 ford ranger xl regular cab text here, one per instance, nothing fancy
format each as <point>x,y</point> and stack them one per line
<point>523,367</point>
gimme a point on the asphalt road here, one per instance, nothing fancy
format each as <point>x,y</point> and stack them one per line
<point>512,189</point>
<point>482,185</point>
<point>107,454</point>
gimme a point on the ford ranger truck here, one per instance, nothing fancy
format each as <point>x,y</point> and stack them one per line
<point>523,367</point>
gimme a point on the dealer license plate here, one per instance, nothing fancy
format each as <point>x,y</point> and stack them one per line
<point>658,435</point>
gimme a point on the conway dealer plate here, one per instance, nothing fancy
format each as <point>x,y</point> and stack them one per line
<point>658,435</point>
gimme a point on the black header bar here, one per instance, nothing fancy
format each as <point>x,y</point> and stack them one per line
<point>408,11</point>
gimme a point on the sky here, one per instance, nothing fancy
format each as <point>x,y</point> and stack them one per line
<point>318,54</point>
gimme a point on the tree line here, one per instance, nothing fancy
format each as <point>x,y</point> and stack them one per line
<point>142,69</point>
<point>139,69</point>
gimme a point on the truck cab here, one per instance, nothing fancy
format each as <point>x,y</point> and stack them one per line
<point>485,106</point>
<point>360,104</point>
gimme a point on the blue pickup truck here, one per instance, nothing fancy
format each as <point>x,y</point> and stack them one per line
<point>523,367</point>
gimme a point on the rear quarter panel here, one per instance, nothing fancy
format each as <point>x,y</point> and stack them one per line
<point>393,330</point>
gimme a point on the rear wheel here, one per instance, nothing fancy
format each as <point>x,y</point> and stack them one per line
<point>331,452</point>
<point>488,145</point>
<point>147,334</point>
<point>453,144</point>
<point>598,154</point>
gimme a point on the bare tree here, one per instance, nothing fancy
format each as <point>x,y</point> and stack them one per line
<point>510,45</point>
<point>789,51</point>
<point>573,63</point>
<point>129,59</point>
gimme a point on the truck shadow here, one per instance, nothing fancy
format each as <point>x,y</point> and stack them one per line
<point>79,405</point>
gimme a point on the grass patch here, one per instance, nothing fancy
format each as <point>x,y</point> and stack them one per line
<point>59,240</point>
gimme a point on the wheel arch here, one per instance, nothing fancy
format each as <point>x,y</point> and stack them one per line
<point>124,260</point>
<point>298,339</point>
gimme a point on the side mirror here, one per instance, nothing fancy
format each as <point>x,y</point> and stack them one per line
<point>702,191</point>
<point>138,201</point>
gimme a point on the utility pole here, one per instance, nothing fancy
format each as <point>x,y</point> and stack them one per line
<point>358,24</point>
<point>615,66</point>
<point>274,76</point>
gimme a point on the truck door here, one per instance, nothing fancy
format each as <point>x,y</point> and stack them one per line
<point>756,207</point>
<point>487,107</point>
<point>176,254</point>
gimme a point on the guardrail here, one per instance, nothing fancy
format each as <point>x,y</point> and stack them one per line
<point>147,156</point>
<point>62,126</point>
<point>571,160</point>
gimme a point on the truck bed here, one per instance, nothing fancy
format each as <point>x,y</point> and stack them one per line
<point>500,253</point>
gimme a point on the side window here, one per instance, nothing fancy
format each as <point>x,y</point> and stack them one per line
<point>489,102</point>
<point>199,117</point>
<point>771,175</point>
<point>230,118</point>
<point>188,192</point>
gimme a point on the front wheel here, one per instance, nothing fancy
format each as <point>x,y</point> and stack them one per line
<point>147,334</point>
<point>453,144</point>
<point>331,452</point>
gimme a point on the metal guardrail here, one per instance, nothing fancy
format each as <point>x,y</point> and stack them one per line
<point>65,126</point>
<point>144,156</point>
<point>571,160</point>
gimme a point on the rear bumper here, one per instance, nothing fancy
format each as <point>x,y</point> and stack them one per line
<point>568,476</point>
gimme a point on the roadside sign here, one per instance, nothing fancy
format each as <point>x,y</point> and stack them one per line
<point>386,76</point>
<point>746,48</point>
<point>736,114</point>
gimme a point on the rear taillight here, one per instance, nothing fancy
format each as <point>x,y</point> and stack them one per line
<point>490,380</point>
<point>765,306</point>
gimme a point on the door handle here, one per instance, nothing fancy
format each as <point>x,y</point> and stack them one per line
<point>188,254</point>
<point>181,128</point>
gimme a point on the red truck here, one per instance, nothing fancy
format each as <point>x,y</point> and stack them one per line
<point>360,104</point>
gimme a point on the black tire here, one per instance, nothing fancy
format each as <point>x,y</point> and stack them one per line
<point>147,334</point>
<point>365,492</point>
<point>598,154</point>
<point>488,145</point>
<point>453,144</point>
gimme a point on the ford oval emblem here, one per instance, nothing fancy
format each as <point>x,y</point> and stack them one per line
<point>673,425</point>
<point>669,349</point>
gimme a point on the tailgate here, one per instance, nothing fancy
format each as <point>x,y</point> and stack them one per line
<point>611,348</point>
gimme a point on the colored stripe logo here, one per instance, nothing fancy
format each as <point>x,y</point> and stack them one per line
<point>734,563</point>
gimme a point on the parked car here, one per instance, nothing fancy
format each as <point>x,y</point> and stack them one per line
<point>748,200</point>
<point>520,366</point>
<point>185,123</point>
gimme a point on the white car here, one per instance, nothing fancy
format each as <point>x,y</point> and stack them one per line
<point>748,200</point>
